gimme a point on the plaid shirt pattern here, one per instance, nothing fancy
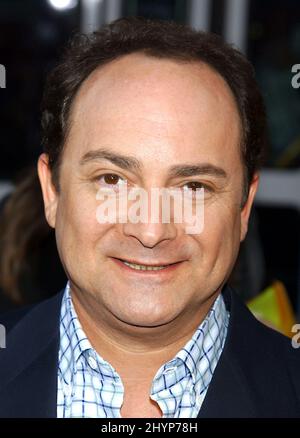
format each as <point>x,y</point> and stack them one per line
<point>89,387</point>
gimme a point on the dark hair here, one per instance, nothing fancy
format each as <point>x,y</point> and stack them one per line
<point>159,39</point>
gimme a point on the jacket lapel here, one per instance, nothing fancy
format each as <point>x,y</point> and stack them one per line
<point>230,393</point>
<point>28,364</point>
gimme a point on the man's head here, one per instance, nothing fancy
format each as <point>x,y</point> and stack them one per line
<point>150,104</point>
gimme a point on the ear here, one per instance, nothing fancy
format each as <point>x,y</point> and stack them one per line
<point>246,210</point>
<point>50,194</point>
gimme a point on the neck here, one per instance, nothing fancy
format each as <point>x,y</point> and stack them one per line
<point>131,349</point>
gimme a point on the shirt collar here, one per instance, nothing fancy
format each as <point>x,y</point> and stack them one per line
<point>199,356</point>
<point>192,358</point>
<point>208,338</point>
<point>74,344</point>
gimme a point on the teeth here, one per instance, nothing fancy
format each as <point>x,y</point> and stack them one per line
<point>143,267</point>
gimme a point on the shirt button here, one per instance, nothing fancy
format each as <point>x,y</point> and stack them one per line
<point>170,370</point>
<point>92,362</point>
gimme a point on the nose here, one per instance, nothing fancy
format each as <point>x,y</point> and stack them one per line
<point>150,234</point>
<point>150,220</point>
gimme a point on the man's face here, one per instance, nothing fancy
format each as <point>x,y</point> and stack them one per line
<point>160,114</point>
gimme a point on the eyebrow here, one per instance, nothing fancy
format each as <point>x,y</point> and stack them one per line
<point>130,163</point>
<point>186,170</point>
<point>123,161</point>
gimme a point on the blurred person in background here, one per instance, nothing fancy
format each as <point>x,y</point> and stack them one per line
<point>30,269</point>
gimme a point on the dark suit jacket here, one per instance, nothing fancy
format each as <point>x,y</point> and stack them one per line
<point>258,374</point>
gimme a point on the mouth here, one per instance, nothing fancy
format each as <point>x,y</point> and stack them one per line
<point>149,268</point>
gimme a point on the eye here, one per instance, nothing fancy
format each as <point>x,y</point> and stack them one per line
<point>192,189</point>
<point>194,185</point>
<point>111,179</point>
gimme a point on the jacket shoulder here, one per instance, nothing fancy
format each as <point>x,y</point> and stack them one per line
<point>18,321</point>
<point>10,318</point>
<point>267,361</point>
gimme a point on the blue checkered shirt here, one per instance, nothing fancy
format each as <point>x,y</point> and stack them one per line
<point>88,386</point>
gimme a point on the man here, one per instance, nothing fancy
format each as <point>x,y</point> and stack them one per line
<point>146,326</point>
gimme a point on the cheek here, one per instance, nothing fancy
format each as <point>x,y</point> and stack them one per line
<point>221,233</point>
<point>76,223</point>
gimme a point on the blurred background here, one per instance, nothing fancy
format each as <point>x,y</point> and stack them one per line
<point>33,32</point>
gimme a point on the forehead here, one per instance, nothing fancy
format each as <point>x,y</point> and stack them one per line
<point>141,103</point>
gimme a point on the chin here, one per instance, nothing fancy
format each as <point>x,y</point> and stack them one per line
<point>145,319</point>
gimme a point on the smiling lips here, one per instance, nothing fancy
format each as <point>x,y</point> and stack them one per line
<point>146,267</point>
